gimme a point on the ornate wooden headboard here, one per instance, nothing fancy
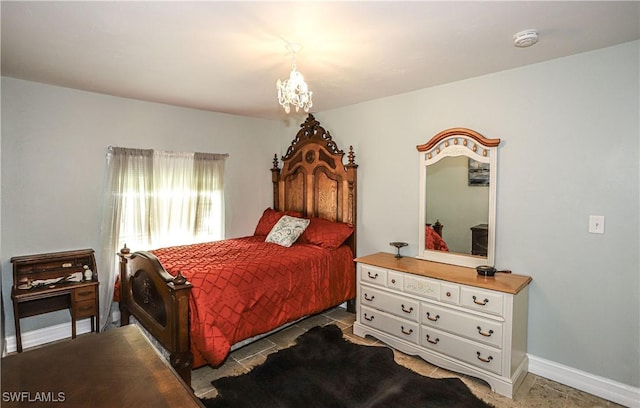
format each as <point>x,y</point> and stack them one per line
<point>313,179</point>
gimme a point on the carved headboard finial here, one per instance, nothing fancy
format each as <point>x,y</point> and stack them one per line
<point>311,130</point>
<point>310,123</point>
<point>351,156</point>
<point>275,162</point>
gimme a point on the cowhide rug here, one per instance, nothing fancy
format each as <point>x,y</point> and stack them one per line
<point>325,370</point>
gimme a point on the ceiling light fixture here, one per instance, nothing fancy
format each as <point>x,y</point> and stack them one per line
<point>525,38</point>
<point>294,91</point>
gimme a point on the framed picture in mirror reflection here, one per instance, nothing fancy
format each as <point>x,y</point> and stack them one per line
<point>478,173</point>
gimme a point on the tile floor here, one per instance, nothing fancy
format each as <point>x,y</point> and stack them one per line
<point>537,392</point>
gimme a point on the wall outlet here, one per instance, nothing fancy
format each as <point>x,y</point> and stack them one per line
<point>596,224</point>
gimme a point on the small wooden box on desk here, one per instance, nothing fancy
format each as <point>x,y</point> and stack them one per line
<point>81,298</point>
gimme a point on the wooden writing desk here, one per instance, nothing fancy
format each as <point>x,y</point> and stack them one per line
<point>81,298</point>
<point>117,368</point>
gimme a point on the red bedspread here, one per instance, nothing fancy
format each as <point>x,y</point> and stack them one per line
<point>433,240</point>
<point>244,287</point>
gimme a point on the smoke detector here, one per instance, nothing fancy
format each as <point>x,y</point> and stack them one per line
<point>525,38</point>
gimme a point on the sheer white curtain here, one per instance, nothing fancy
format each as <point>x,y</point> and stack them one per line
<point>173,204</point>
<point>209,171</point>
<point>187,198</point>
<point>155,199</point>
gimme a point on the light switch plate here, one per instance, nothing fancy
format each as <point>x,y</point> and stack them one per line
<point>596,224</point>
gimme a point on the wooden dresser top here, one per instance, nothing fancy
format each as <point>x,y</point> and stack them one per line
<point>502,282</point>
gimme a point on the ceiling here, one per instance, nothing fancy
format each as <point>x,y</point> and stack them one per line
<point>227,56</point>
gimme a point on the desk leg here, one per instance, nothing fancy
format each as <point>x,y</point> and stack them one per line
<point>97,313</point>
<point>16,319</point>
<point>73,321</point>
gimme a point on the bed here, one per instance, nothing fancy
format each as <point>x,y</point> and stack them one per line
<point>199,300</point>
<point>433,237</point>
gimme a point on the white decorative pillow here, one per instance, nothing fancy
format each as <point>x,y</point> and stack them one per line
<point>287,230</point>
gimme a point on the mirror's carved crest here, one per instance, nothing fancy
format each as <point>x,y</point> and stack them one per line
<point>446,134</point>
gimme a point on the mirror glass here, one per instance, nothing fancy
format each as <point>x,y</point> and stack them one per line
<point>458,202</point>
<point>457,198</point>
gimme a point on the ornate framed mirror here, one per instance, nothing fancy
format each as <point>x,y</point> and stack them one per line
<point>458,173</point>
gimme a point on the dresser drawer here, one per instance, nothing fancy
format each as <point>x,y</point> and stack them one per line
<point>450,293</point>
<point>85,308</point>
<point>395,280</point>
<point>371,274</point>
<point>478,299</point>
<point>397,305</point>
<point>464,324</point>
<point>400,328</point>
<point>84,293</point>
<point>422,286</point>
<point>479,355</point>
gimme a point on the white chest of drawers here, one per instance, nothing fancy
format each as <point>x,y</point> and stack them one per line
<point>448,315</point>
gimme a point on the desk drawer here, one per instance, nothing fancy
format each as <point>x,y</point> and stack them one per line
<point>84,293</point>
<point>85,308</point>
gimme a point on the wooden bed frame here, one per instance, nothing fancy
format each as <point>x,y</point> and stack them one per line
<point>437,227</point>
<point>313,181</point>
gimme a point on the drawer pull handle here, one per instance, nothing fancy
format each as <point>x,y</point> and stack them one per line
<point>368,318</point>
<point>410,310</point>
<point>485,334</point>
<point>482,303</point>
<point>433,341</point>
<point>484,360</point>
<point>433,319</point>
<point>406,332</point>
<point>372,276</point>
<point>448,294</point>
<point>366,297</point>
<point>393,281</point>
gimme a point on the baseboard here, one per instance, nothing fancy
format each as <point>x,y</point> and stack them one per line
<point>610,390</point>
<point>46,335</point>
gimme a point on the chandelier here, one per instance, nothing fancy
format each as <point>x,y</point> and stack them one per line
<point>294,91</point>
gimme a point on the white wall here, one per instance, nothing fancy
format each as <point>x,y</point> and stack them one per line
<point>570,148</point>
<point>53,161</point>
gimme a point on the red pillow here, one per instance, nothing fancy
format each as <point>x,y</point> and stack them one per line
<point>325,233</point>
<point>269,218</point>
